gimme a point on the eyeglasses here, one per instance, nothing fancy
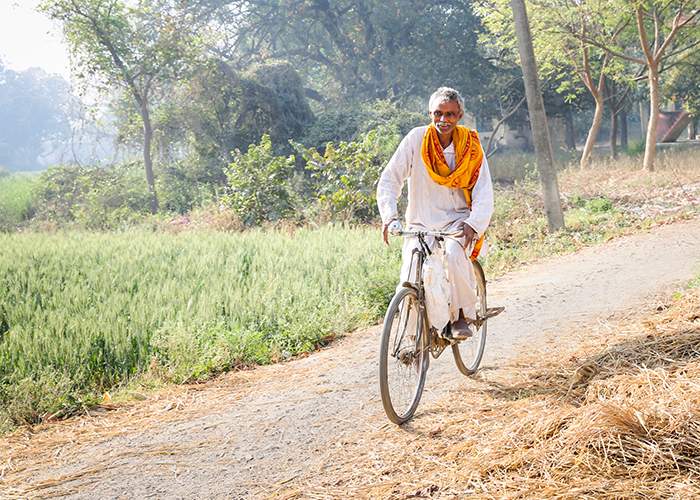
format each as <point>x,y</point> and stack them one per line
<point>448,116</point>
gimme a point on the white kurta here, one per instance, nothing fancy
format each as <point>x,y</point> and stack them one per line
<point>438,208</point>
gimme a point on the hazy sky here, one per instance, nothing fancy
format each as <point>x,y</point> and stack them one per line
<point>30,39</point>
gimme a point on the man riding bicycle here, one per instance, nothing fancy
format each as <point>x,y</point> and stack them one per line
<point>449,189</point>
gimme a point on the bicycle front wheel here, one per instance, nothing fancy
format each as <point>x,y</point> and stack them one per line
<point>468,353</point>
<point>403,356</point>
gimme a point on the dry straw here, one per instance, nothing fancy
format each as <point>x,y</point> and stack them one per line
<point>619,421</point>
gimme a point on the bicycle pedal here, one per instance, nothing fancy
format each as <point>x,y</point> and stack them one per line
<point>491,312</point>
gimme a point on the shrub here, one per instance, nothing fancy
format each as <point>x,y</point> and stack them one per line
<point>345,175</point>
<point>92,197</point>
<point>182,186</point>
<point>259,184</point>
<point>16,199</point>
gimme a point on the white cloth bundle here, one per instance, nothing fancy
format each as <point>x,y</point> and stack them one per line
<point>437,289</point>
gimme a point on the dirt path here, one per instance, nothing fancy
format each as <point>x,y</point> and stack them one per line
<point>247,433</point>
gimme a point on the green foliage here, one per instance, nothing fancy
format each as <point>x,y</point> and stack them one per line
<point>184,186</point>
<point>602,204</point>
<point>683,81</point>
<point>82,313</point>
<point>138,48</point>
<point>694,283</point>
<point>289,112</point>
<point>220,109</point>
<point>16,199</point>
<point>355,51</point>
<point>123,44</point>
<point>346,174</point>
<point>636,148</point>
<point>348,123</point>
<point>92,197</point>
<point>259,184</point>
<point>566,65</point>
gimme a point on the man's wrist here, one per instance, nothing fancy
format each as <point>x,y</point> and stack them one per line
<point>469,226</point>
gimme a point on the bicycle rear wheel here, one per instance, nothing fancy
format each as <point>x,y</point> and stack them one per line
<point>403,356</point>
<point>468,353</point>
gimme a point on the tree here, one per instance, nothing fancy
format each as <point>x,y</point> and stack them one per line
<point>559,26</point>
<point>683,81</point>
<point>538,119</point>
<point>133,48</point>
<point>365,49</point>
<point>33,113</point>
<point>666,30</point>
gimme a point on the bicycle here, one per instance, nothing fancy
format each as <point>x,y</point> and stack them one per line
<point>407,344</point>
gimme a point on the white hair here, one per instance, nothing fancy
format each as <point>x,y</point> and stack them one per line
<point>445,94</point>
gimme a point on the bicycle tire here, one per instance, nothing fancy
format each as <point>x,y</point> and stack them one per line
<point>404,302</point>
<point>474,347</point>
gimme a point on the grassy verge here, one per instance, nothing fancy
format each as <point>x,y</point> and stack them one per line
<point>611,199</point>
<point>82,313</point>
<point>611,413</point>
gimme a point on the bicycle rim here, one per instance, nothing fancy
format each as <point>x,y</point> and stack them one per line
<point>403,358</point>
<point>468,353</point>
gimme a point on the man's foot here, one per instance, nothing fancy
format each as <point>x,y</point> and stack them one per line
<point>461,330</point>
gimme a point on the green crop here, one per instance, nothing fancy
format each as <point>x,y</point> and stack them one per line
<point>81,313</point>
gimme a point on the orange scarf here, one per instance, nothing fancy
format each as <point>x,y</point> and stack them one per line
<point>468,159</point>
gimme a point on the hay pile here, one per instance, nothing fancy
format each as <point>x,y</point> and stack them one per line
<point>616,417</point>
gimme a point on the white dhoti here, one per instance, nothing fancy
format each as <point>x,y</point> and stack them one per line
<point>460,273</point>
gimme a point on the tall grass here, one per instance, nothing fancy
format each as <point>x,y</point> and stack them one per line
<point>80,313</point>
<point>16,192</point>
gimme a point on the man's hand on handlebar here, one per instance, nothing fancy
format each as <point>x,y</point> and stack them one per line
<point>394,227</point>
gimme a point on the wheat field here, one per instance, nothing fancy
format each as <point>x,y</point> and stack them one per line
<point>83,312</point>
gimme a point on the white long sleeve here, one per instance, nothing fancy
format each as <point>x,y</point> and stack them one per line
<point>482,200</point>
<point>393,176</point>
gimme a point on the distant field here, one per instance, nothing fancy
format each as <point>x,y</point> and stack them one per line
<point>81,313</point>
<point>15,199</point>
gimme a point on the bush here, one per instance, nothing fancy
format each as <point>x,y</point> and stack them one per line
<point>16,200</point>
<point>92,197</point>
<point>259,184</point>
<point>345,175</point>
<point>636,148</point>
<point>181,187</point>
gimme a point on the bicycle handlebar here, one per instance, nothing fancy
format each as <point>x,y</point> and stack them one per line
<point>429,233</point>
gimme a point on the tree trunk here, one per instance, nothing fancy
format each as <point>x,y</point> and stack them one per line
<point>147,161</point>
<point>538,119</point>
<point>592,132</point>
<point>613,134</point>
<point>692,129</point>
<point>654,104</point>
<point>570,132</point>
<point>624,138</point>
